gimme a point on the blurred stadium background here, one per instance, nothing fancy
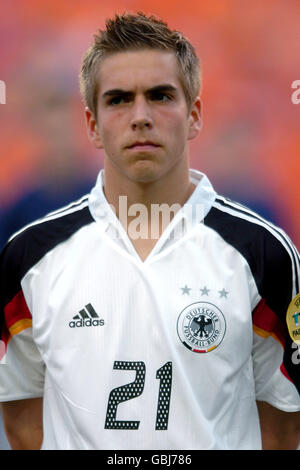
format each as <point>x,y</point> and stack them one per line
<point>250,141</point>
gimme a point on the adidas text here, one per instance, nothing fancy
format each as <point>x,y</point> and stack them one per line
<point>89,322</point>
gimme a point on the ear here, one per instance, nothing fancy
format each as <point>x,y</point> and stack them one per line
<point>92,129</point>
<point>195,119</point>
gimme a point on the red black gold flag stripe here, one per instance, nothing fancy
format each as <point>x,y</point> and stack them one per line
<point>266,323</point>
<point>17,317</point>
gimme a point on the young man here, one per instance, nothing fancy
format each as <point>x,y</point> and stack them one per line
<point>118,339</point>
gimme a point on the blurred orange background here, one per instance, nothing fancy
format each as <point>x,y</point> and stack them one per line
<point>250,53</point>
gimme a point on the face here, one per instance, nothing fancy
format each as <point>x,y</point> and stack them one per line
<point>143,123</point>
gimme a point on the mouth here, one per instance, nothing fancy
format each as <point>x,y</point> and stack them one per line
<point>147,145</point>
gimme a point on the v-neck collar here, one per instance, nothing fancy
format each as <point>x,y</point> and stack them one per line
<point>192,213</point>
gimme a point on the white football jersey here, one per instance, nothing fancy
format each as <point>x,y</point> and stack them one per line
<point>167,353</point>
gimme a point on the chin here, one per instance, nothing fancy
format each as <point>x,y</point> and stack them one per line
<point>144,171</point>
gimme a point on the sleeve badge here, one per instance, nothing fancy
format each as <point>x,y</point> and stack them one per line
<point>293,319</point>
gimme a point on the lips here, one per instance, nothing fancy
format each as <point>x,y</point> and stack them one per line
<point>142,145</point>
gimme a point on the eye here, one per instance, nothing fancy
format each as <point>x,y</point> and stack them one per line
<point>116,100</point>
<point>160,96</point>
<point>119,99</point>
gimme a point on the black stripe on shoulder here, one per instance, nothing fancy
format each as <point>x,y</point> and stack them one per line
<point>243,210</point>
<point>30,245</point>
<point>69,206</point>
<point>269,261</point>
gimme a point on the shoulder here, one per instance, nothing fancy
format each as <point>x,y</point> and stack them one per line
<point>248,225</point>
<point>26,247</point>
<point>270,253</point>
<point>249,232</point>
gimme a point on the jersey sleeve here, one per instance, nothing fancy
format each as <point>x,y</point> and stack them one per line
<point>21,366</point>
<point>276,343</point>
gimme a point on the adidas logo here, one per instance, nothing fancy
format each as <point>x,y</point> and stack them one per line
<point>86,317</point>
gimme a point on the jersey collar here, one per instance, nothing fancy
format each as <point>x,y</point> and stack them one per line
<point>193,212</point>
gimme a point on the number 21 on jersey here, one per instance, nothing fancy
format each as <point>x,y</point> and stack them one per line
<point>135,389</point>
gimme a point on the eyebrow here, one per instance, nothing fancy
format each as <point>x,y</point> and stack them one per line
<point>159,88</point>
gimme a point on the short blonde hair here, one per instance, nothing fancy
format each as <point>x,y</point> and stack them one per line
<point>134,32</point>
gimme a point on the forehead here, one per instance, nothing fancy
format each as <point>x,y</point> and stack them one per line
<point>140,69</point>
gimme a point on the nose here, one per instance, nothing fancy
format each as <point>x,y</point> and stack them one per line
<point>141,115</point>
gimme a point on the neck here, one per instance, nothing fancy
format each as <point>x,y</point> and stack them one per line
<point>172,189</point>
